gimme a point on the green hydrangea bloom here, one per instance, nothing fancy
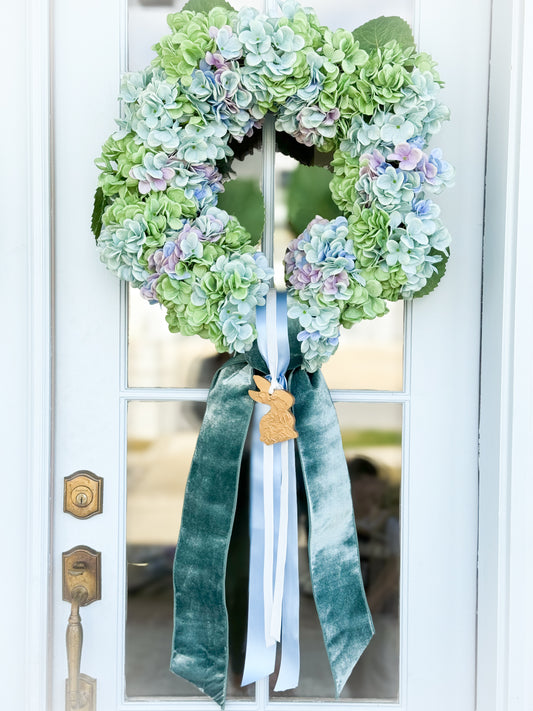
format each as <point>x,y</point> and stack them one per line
<point>342,185</point>
<point>381,80</point>
<point>163,212</point>
<point>237,237</point>
<point>425,63</point>
<point>180,52</point>
<point>125,207</point>
<point>341,49</point>
<point>369,230</point>
<point>115,162</point>
<point>306,25</point>
<point>366,302</point>
<point>174,291</point>
<point>274,92</point>
<point>328,97</point>
<point>391,282</point>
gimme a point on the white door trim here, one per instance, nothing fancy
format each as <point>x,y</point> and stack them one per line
<point>505,651</point>
<point>40,422</point>
<point>25,359</point>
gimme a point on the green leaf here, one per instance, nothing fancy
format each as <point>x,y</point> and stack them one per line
<point>308,195</point>
<point>205,5</point>
<point>378,32</point>
<point>434,278</point>
<point>98,211</point>
<point>243,198</point>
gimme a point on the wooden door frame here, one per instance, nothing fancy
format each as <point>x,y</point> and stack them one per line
<point>505,620</point>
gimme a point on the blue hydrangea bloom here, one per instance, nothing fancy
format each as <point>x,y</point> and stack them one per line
<point>120,247</point>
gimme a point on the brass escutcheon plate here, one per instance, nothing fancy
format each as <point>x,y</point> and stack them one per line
<point>81,568</point>
<point>83,494</point>
<point>86,700</point>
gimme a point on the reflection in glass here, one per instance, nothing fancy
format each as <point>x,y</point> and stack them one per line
<point>161,441</point>
<point>160,359</point>
<point>371,436</point>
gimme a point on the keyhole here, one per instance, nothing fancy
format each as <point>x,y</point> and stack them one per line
<point>82,496</point>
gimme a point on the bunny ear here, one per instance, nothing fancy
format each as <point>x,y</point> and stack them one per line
<point>259,396</point>
<point>262,383</point>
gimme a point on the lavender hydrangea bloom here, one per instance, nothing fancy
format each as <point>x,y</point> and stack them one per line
<point>314,125</point>
<point>212,224</point>
<point>407,155</point>
<point>216,88</point>
<point>321,271</point>
<point>437,172</point>
<point>373,164</point>
<point>148,291</point>
<point>155,172</point>
<point>319,260</point>
<point>201,183</point>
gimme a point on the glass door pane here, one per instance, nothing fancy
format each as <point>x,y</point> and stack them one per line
<point>161,441</point>
<point>372,436</point>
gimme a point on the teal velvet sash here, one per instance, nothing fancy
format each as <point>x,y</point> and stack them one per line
<point>200,647</point>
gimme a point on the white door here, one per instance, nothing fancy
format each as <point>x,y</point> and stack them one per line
<point>129,398</point>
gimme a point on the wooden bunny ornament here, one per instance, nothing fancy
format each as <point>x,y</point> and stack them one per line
<point>278,424</point>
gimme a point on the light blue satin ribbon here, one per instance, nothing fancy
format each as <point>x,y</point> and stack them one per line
<point>260,656</point>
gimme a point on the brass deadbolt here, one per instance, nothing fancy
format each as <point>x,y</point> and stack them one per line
<point>83,494</point>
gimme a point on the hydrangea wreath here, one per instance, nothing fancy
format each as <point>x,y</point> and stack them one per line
<point>367,99</point>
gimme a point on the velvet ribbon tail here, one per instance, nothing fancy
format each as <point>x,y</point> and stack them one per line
<point>333,550</point>
<point>200,643</point>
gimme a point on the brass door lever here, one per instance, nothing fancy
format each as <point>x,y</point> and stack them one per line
<point>81,587</point>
